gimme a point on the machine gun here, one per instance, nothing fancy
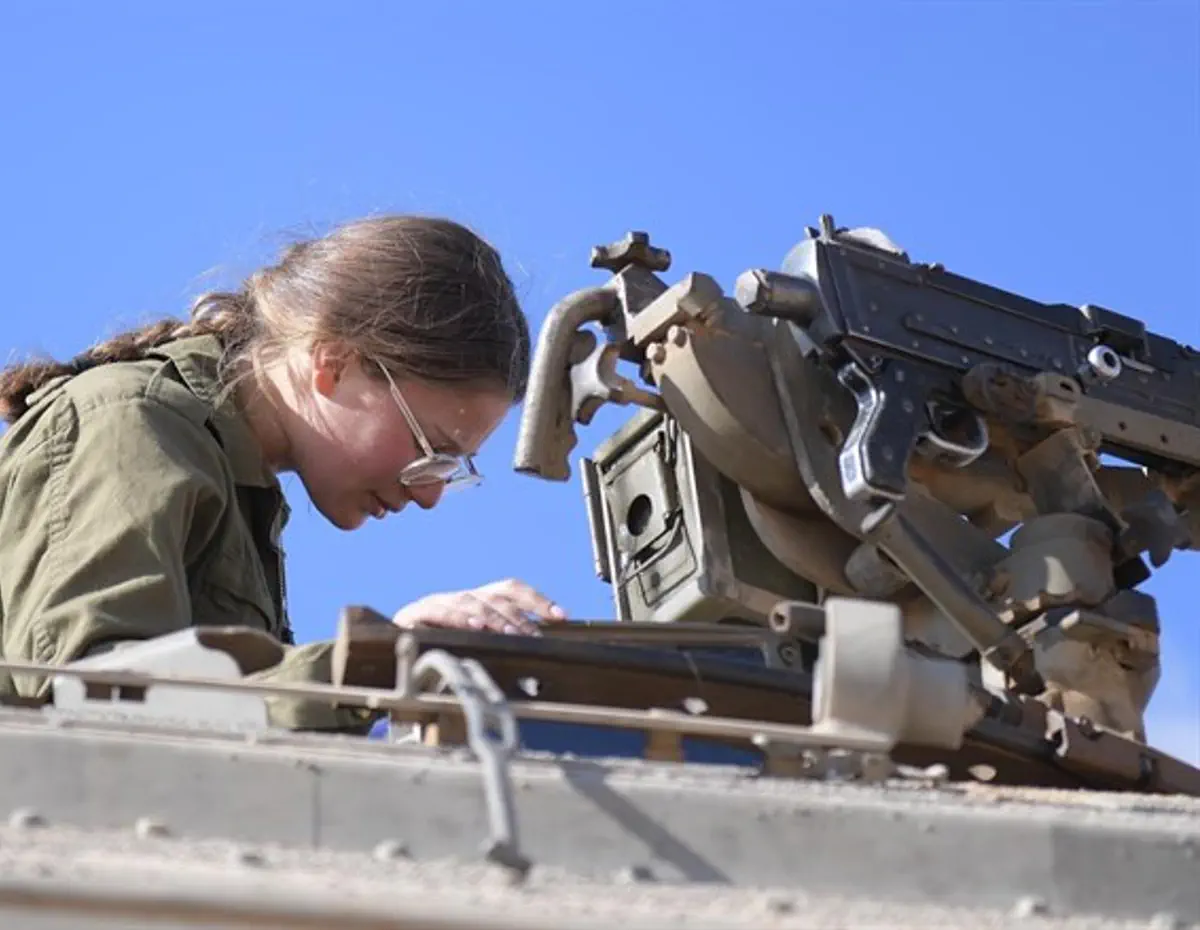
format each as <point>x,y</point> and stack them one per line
<point>857,424</point>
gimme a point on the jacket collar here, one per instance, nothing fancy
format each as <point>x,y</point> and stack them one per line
<point>197,358</point>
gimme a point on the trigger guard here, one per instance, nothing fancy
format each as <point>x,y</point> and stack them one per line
<point>932,445</point>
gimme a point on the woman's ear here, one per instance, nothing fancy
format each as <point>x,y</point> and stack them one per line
<point>329,365</point>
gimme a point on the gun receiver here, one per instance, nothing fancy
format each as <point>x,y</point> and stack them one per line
<point>858,424</point>
<point>916,343</point>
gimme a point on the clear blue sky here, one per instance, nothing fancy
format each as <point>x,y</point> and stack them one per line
<point>152,150</point>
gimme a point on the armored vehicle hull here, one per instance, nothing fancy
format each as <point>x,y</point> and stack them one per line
<point>120,825</point>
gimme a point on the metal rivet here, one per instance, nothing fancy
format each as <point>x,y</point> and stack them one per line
<point>387,850</point>
<point>778,905</point>
<point>147,827</point>
<point>635,874</point>
<point>1030,906</point>
<point>247,857</point>
<point>25,818</point>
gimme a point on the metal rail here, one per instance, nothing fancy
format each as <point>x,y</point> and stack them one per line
<point>397,703</point>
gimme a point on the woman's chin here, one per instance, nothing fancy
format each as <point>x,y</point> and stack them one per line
<point>351,511</point>
<point>347,516</point>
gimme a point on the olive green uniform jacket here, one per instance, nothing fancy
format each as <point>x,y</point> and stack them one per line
<point>134,502</point>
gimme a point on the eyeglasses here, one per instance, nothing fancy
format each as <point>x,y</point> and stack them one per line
<point>454,471</point>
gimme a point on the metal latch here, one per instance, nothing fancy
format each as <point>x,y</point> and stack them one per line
<point>491,735</point>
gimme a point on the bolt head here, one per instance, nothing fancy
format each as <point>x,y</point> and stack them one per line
<point>635,874</point>
<point>148,827</point>
<point>389,850</point>
<point>251,858</point>
<point>1029,906</point>
<point>751,291</point>
<point>700,296</point>
<point>24,818</point>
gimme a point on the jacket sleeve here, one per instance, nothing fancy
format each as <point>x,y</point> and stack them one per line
<point>311,663</point>
<point>101,516</point>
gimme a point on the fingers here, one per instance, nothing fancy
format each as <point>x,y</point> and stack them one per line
<point>501,607</point>
<point>499,614</point>
<point>524,597</point>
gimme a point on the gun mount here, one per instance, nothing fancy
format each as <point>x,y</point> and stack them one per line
<point>857,424</point>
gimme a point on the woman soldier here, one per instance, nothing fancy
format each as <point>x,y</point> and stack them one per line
<point>138,481</point>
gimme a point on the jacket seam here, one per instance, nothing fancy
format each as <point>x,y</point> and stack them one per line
<point>59,449</point>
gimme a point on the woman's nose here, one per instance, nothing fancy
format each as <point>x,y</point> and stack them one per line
<point>427,495</point>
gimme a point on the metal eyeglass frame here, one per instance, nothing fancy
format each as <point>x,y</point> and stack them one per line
<point>454,471</point>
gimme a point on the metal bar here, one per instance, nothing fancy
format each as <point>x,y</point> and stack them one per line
<point>663,634</point>
<point>919,559</point>
<point>398,705</point>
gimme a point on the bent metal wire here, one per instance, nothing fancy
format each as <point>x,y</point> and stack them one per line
<point>454,471</point>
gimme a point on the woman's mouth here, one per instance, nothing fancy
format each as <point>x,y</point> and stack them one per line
<point>381,508</point>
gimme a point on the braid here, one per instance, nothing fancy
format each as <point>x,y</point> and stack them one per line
<point>222,314</point>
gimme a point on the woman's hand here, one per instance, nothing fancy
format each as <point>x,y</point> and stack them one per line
<point>503,607</point>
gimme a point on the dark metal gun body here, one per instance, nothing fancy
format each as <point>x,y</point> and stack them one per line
<point>903,336</point>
